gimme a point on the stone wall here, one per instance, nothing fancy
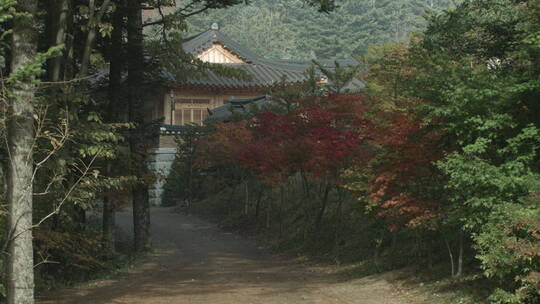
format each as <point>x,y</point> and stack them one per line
<point>160,162</point>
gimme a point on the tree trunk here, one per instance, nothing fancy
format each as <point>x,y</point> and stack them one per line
<point>268,212</point>
<point>258,205</point>
<point>89,38</point>
<point>93,22</point>
<point>117,62</point>
<point>108,218</point>
<point>141,207</point>
<point>20,136</point>
<point>305,183</point>
<point>109,221</point>
<point>393,245</point>
<point>281,202</point>
<point>322,209</point>
<point>451,255</point>
<point>58,35</point>
<point>230,201</point>
<point>338,226</point>
<point>141,218</point>
<point>459,271</point>
<point>115,79</point>
<point>307,228</point>
<point>80,216</point>
<point>69,57</point>
<point>378,245</point>
<point>430,252</point>
<point>246,203</point>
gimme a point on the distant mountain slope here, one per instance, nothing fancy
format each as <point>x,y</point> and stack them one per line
<point>289,29</point>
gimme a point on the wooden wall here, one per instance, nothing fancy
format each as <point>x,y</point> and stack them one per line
<point>178,100</point>
<point>173,106</point>
<point>218,54</point>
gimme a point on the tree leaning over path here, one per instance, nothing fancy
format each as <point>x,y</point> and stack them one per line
<point>20,134</point>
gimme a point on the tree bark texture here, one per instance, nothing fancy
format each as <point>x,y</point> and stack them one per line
<point>69,57</point>
<point>280,214</point>
<point>59,11</point>
<point>116,63</point>
<point>246,203</point>
<point>20,133</point>
<point>322,210</point>
<point>451,256</point>
<point>141,207</point>
<point>115,79</point>
<point>258,205</point>
<point>109,221</point>
<point>459,271</point>
<point>93,22</point>
<point>339,225</point>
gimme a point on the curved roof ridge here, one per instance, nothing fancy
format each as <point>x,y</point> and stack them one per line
<point>264,71</point>
<point>236,47</point>
<point>203,41</point>
<point>193,36</point>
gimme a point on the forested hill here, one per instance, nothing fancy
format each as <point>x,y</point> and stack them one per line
<point>291,30</point>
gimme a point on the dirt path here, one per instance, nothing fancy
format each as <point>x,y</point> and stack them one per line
<point>195,262</point>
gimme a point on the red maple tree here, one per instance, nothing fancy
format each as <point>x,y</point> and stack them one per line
<point>404,165</point>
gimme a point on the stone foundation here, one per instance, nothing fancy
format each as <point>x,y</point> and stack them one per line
<point>160,161</point>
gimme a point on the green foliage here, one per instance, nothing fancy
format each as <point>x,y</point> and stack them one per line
<point>508,248</point>
<point>284,215</point>
<point>454,148</point>
<point>184,183</point>
<point>291,30</point>
<point>66,258</point>
<point>477,74</point>
<point>72,143</point>
<point>6,14</point>
<point>34,68</point>
<point>456,145</point>
<point>477,188</point>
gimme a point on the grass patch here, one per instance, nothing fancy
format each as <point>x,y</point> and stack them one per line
<point>439,287</point>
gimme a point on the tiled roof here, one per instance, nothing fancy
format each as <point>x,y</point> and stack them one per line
<point>262,71</point>
<point>203,41</point>
<point>237,106</point>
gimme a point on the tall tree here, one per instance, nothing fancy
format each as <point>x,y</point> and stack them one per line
<point>20,134</point>
<point>114,99</point>
<point>58,22</point>
<point>141,206</point>
<point>94,18</point>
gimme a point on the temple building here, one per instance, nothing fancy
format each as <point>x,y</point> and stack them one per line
<point>181,103</point>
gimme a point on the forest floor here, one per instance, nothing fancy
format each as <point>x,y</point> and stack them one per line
<point>195,262</point>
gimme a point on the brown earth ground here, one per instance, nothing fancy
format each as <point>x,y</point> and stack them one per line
<point>196,262</point>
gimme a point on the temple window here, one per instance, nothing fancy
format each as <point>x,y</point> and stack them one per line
<point>190,111</point>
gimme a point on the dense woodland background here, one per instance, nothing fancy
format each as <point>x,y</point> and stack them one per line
<point>435,166</point>
<point>293,30</point>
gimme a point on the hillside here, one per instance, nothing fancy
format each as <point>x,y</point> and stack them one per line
<point>292,30</point>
